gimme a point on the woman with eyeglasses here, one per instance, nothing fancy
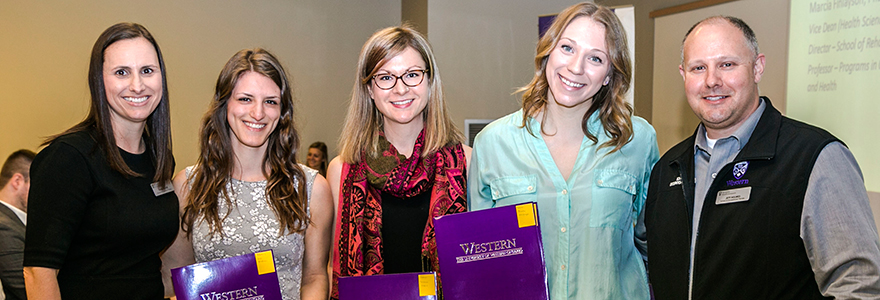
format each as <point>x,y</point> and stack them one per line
<point>401,162</point>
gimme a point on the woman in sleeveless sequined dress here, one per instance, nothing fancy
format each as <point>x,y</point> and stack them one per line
<point>246,192</point>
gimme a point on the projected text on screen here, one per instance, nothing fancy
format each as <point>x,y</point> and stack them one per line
<point>834,74</point>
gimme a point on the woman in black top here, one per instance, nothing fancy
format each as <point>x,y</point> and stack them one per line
<point>101,205</point>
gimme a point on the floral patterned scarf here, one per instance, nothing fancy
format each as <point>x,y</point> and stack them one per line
<point>359,218</point>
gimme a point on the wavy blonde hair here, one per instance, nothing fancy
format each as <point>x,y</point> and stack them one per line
<point>614,112</point>
<point>364,121</point>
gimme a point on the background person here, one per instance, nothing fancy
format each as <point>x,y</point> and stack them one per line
<point>101,205</point>
<point>754,205</point>
<point>246,192</point>
<point>576,150</point>
<point>317,157</point>
<point>15,180</point>
<point>402,161</point>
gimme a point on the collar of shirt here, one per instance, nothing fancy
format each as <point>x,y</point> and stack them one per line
<point>742,134</point>
<point>594,125</point>
<point>21,214</point>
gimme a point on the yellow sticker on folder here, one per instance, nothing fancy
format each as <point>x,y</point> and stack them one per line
<point>265,262</point>
<point>426,285</point>
<point>525,215</point>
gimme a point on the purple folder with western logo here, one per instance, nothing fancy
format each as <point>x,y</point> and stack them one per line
<point>492,254</point>
<point>246,277</point>
<point>404,286</point>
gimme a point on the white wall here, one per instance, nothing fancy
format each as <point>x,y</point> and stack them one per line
<point>45,47</point>
<point>485,51</point>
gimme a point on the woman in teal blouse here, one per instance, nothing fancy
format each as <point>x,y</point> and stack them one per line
<point>576,150</point>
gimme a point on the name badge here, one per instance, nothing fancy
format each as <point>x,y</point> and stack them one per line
<point>733,195</point>
<point>158,191</point>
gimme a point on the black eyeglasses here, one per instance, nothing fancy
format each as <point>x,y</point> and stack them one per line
<point>411,78</point>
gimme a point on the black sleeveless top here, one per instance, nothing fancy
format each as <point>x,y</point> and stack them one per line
<point>403,225</point>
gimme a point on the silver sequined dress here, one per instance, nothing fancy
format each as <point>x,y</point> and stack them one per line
<point>252,227</point>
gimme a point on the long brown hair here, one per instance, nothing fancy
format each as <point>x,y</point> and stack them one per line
<point>157,132</point>
<point>364,121</point>
<point>285,189</point>
<point>614,113</point>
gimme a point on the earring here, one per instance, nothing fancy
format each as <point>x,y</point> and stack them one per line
<point>607,79</point>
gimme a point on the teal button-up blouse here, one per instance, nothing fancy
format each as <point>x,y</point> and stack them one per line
<point>592,224</point>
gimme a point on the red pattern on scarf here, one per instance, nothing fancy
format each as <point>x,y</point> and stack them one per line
<point>359,219</point>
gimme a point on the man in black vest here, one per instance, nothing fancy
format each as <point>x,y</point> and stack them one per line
<point>754,205</point>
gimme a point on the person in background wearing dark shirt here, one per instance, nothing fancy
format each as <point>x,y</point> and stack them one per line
<point>15,180</point>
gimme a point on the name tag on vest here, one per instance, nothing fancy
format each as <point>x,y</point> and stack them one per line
<point>733,196</point>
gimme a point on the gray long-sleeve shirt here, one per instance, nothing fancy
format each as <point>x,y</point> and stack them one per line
<point>837,225</point>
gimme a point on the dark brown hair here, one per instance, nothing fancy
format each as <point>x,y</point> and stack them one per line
<point>157,133</point>
<point>18,162</point>
<point>285,188</point>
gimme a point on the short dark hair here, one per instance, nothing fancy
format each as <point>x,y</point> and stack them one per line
<point>747,32</point>
<point>17,162</point>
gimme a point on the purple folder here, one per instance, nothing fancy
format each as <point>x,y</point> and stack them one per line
<point>246,277</point>
<point>492,254</point>
<point>405,286</point>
